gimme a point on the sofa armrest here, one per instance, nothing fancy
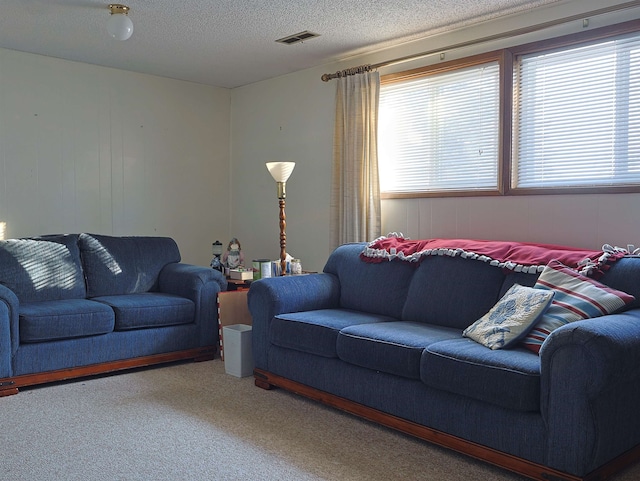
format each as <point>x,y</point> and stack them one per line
<point>187,280</point>
<point>201,285</point>
<point>9,329</point>
<point>277,295</point>
<point>590,388</point>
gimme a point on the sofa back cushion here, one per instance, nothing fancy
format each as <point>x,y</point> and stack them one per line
<point>452,291</point>
<point>375,288</point>
<point>624,275</point>
<point>522,278</point>
<point>42,268</point>
<point>124,265</point>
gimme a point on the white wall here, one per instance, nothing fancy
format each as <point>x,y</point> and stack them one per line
<point>92,149</point>
<point>87,148</point>
<point>284,119</point>
<point>291,118</point>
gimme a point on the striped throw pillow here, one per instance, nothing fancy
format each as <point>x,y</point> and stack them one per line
<point>576,298</point>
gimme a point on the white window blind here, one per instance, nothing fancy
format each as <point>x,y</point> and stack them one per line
<point>577,116</point>
<point>440,132</point>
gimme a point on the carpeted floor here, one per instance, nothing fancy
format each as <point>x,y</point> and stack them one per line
<point>194,422</point>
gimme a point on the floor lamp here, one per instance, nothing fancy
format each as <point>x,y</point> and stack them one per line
<point>280,171</point>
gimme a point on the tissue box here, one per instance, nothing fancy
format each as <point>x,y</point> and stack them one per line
<point>242,275</point>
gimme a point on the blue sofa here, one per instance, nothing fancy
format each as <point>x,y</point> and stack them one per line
<point>81,304</point>
<point>384,341</point>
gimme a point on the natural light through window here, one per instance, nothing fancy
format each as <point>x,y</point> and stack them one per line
<point>3,230</point>
<point>440,132</point>
<point>48,264</point>
<point>555,117</point>
<point>104,255</point>
<point>577,116</point>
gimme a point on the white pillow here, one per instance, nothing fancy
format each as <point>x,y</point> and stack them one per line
<point>511,318</point>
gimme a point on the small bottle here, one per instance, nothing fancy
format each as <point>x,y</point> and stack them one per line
<point>296,266</point>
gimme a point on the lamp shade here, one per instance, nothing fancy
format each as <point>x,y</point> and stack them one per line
<point>120,26</point>
<point>280,171</point>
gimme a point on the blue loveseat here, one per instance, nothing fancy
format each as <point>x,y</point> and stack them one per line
<point>384,341</point>
<point>80,304</point>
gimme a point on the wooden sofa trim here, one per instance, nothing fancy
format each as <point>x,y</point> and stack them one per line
<point>267,380</point>
<point>11,385</point>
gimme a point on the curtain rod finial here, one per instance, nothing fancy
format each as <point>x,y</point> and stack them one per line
<point>326,77</point>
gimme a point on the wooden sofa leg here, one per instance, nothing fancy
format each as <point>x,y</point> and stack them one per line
<point>261,381</point>
<point>264,384</point>
<point>8,388</point>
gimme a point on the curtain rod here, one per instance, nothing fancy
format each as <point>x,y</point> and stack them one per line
<point>511,33</point>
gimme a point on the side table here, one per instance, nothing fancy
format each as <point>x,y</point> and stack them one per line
<point>237,284</point>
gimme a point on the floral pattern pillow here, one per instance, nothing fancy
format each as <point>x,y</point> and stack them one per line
<point>511,318</point>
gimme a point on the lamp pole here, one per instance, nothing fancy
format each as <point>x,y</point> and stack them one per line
<point>283,227</point>
<point>280,171</point>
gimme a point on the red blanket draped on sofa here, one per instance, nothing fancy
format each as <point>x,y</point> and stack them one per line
<point>517,256</point>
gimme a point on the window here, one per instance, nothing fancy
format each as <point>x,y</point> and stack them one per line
<point>556,116</point>
<point>577,116</point>
<point>439,132</point>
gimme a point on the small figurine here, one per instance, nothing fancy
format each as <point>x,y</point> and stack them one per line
<point>216,249</point>
<point>233,257</point>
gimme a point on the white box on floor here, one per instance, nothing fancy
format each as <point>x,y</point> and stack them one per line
<point>238,352</point>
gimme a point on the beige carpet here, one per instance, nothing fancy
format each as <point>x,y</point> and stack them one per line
<point>194,422</point>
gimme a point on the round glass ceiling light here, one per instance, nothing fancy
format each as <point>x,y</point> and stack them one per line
<point>119,24</point>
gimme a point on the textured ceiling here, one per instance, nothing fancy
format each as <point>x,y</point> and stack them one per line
<point>229,43</point>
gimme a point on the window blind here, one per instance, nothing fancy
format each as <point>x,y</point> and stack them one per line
<point>440,132</point>
<point>577,116</point>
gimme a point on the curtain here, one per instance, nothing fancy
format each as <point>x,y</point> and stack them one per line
<point>355,193</point>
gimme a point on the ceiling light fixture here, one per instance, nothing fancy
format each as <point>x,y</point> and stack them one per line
<point>119,24</point>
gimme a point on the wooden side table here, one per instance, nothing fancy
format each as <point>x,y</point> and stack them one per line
<point>237,284</point>
<point>232,309</point>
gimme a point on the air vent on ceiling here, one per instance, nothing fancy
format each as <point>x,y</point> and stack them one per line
<point>298,37</point>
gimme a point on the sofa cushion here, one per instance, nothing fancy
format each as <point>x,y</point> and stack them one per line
<point>511,318</point>
<point>376,288</point>
<point>526,279</point>
<point>63,319</point>
<point>452,291</point>
<point>624,275</point>
<point>124,265</point>
<point>316,332</point>
<point>576,298</point>
<point>42,268</point>
<point>149,309</point>
<point>392,347</point>
<point>506,377</point>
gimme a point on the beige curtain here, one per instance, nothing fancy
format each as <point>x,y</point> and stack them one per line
<point>355,196</point>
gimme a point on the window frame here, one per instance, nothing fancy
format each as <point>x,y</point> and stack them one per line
<point>498,56</point>
<point>506,59</point>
